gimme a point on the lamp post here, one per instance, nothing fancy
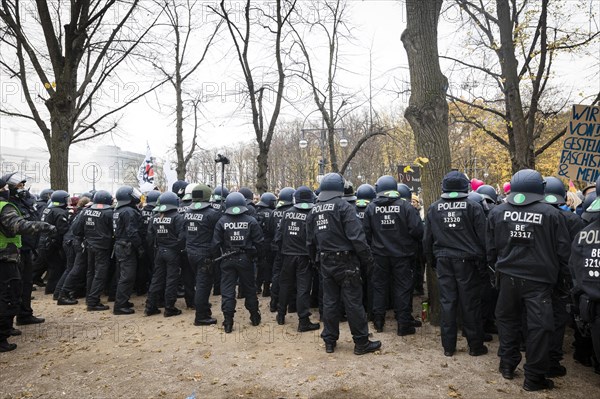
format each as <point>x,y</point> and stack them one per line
<point>321,135</point>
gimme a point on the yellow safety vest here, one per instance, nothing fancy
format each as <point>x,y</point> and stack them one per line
<point>4,240</point>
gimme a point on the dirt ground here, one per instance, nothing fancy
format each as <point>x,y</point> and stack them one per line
<point>77,354</point>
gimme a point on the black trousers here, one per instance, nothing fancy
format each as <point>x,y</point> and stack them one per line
<point>69,251</point>
<point>204,282</point>
<point>398,270</point>
<point>296,271</point>
<point>10,296</point>
<point>165,278</point>
<point>97,273</point>
<point>342,288</point>
<point>561,319</point>
<point>76,279</point>
<point>128,263</point>
<point>234,269</point>
<point>40,265</point>
<point>188,277</point>
<point>515,296</point>
<point>26,271</point>
<point>595,333</point>
<point>277,264</point>
<point>460,285</point>
<point>56,266</point>
<point>264,272</point>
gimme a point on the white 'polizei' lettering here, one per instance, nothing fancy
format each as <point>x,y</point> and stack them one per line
<point>387,209</point>
<point>523,217</point>
<point>589,237</point>
<point>235,225</point>
<point>91,212</point>
<point>323,208</point>
<point>193,216</point>
<point>451,205</point>
<point>295,216</point>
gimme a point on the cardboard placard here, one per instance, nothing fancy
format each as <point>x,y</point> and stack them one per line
<point>412,178</point>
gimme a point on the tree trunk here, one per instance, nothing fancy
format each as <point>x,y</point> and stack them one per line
<point>181,167</point>
<point>523,157</point>
<point>427,112</point>
<point>262,159</point>
<point>62,110</point>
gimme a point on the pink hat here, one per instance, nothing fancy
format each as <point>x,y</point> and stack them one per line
<point>506,187</point>
<point>475,184</point>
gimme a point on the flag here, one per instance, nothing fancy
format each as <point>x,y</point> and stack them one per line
<point>170,174</point>
<point>572,187</point>
<point>146,171</point>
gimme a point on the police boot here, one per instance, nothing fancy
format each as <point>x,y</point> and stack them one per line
<point>228,323</point>
<point>378,322</point>
<point>304,324</point>
<point>172,312</point>
<point>368,347</point>
<point>255,317</point>
<point>6,347</point>
<point>64,299</point>
<point>273,305</point>
<point>405,330</point>
<point>280,318</point>
<point>266,292</point>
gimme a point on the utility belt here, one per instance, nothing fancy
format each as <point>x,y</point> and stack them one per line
<point>336,254</point>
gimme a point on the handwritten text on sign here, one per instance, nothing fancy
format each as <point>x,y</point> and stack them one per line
<point>580,152</point>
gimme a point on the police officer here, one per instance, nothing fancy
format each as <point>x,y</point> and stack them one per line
<point>335,233</point>
<point>284,202</point>
<point>264,212</point>
<point>584,264</point>
<point>12,226</point>
<point>393,228</point>
<point>454,246</point>
<point>186,200</point>
<point>528,242</point>
<point>217,201</point>
<point>167,232</point>
<point>296,266</point>
<point>51,246</point>
<point>364,195</point>
<point>129,246</point>
<point>489,194</point>
<point>146,263</point>
<point>95,227</point>
<point>237,235</point>
<point>43,200</point>
<point>200,220</point>
<point>188,273</point>
<point>249,196</point>
<point>555,195</point>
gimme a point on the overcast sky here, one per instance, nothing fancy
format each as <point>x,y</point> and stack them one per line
<point>378,24</point>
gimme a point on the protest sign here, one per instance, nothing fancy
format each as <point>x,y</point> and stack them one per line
<point>411,176</point>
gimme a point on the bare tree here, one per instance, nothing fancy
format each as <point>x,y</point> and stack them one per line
<point>504,32</point>
<point>73,50</point>
<point>182,21</point>
<point>427,112</point>
<point>242,35</point>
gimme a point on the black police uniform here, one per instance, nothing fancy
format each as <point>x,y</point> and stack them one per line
<point>188,273</point>
<point>200,220</point>
<point>75,281</point>
<point>168,234</point>
<point>129,246</point>
<point>296,267</point>
<point>394,229</point>
<point>454,243</point>
<point>266,253</point>
<point>529,245</point>
<point>584,264</point>
<point>336,234</point>
<point>95,227</point>
<point>146,263</point>
<point>12,227</point>
<point>238,234</point>
<point>276,217</point>
<point>52,245</point>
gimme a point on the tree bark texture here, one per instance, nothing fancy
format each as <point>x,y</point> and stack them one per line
<point>427,112</point>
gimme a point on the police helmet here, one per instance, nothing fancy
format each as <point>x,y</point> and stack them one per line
<point>179,188</point>
<point>187,196</point>
<point>248,194</point>
<point>526,187</point>
<point>152,197</point>
<point>219,193</point>
<point>102,199</point>
<point>554,191</point>
<point>455,185</point>
<point>386,183</point>
<point>365,192</point>
<point>59,198</point>
<point>349,192</point>
<point>167,201</point>
<point>476,197</point>
<point>286,197</point>
<point>304,198</point>
<point>404,191</point>
<point>267,200</point>
<point>332,185</point>
<point>235,204</point>
<point>126,195</point>
<point>595,205</point>
<point>488,192</point>
<point>45,194</point>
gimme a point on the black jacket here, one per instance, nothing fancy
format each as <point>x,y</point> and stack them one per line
<point>237,232</point>
<point>200,228</point>
<point>128,226</point>
<point>58,217</point>
<point>291,234</point>
<point>95,226</point>
<point>167,231</point>
<point>584,262</point>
